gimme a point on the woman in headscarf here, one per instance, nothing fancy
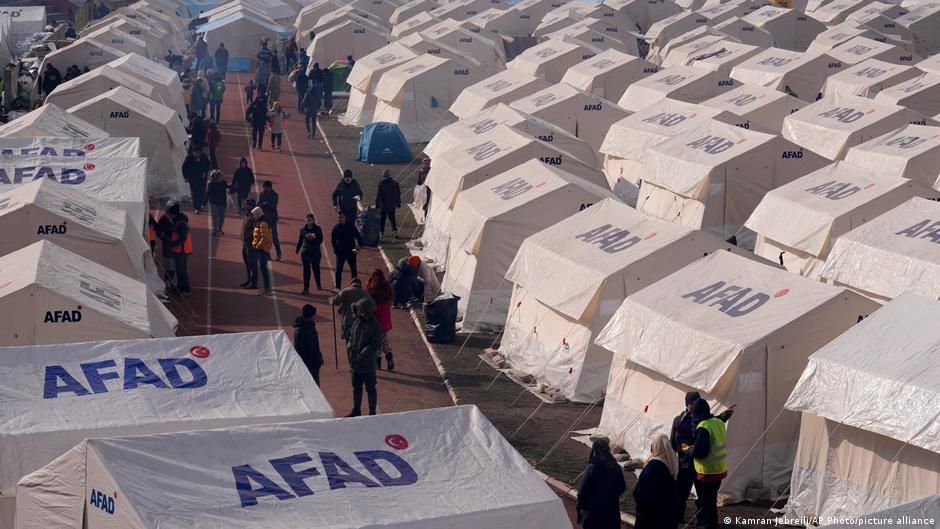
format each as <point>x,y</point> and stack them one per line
<point>600,489</point>
<point>655,491</point>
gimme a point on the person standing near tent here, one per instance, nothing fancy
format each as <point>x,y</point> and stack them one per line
<point>602,484</point>
<point>307,342</point>
<point>377,287</point>
<point>250,90</point>
<point>327,90</point>
<point>197,132</point>
<point>213,139</point>
<point>656,487</point>
<point>364,344</point>
<point>277,117</point>
<point>301,84</point>
<point>267,201</point>
<point>346,196</point>
<point>303,60</point>
<point>290,53</point>
<point>180,244</point>
<point>350,61</point>
<point>163,231</point>
<point>195,171</point>
<point>249,256</point>
<point>311,105</point>
<point>242,181</point>
<point>274,86</point>
<point>217,196</point>
<point>309,247</point>
<point>387,201</point>
<point>262,75</point>
<point>681,437</point>
<point>316,74</point>
<point>257,116</point>
<point>50,79</point>
<point>710,460</point>
<point>423,173</point>
<point>202,53</point>
<point>216,95</point>
<point>200,94</point>
<point>221,60</point>
<point>346,240</point>
<point>261,242</point>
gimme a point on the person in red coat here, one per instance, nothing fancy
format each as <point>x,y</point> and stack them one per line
<point>381,291</point>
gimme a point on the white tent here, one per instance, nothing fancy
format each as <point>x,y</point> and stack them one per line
<point>628,141</point>
<point>69,147</point>
<point>463,9</point>
<point>645,12</point>
<point>84,53</point>
<point>591,32</point>
<point>120,182</point>
<point>278,10</point>
<point>411,8</point>
<point>164,80</point>
<point>718,13</point>
<point>249,29</point>
<point>859,49</point>
<point>866,442</point>
<point>97,82</point>
<point>608,74</point>
<point>503,87</point>
<point>880,17</point>
<point>577,112</point>
<point>25,20</point>
<point>922,21</point>
<point>414,24</point>
<point>912,151</point>
<point>489,224</point>
<point>745,32</point>
<point>470,164</point>
<point>568,280</point>
<point>661,32</point>
<point>910,515</point>
<point>801,75</point>
<point>838,11</point>
<point>56,296</point>
<point>123,112</point>
<point>50,121</point>
<point>158,40</point>
<point>737,331</point>
<point>487,51</point>
<point>521,19</point>
<point>920,94</point>
<point>791,29</point>
<point>422,44</point>
<point>309,15</point>
<point>757,107</point>
<point>681,49</point>
<point>120,40</point>
<point>722,57</point>
<point>57,394</point>
<point>551,59</point>
<point>683,83</point>
<point>713,176</point>
<point>345,13</point>
<point>869,77</point>
<point>797,224</point>
<point>344,39</point>
<point>365,76</point>
<point>893,254</point>
<point>697,33</point>
<point>416,94</point>
<point>840,34</point>
<point>569,13</point>
<point>235,6</point>
<point>380,9</point>
<point>833,124</point>
<point>930,64</point>
<point>415,455</point>
<point>7,41</point>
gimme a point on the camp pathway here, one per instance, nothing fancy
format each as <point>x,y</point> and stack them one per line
<point>304,175</point>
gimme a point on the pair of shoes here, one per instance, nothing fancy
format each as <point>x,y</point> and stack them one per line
<point>305,292</point>
<point>245,284</point>
<point>278,258</point>
<point>319,287</point>
<point>249,286</point>
<point>354,413</point>
<point>308,134</point>
<point>264,291</point>
<point>391,366</point>
<point>186,293</point>
<point>221,233</point>
<point>371,412</point>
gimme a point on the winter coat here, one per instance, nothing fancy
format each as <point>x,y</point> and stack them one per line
<point>274,87</point>
<point>344,301</point>
<point>277,121</point>
<point>267,201</point>
<point>365,338</point>
<point>301,82</point>
<point>683,432</point>
<point>221,59</point>
<point>197,132</point>
<point>344,195</point>
<point>312,246</point>
<point>217,90</point>
<point>243,179</point>
<point>383,313</point>
<point>50,80</point>
<point>262,74</point>
<point>312,100</point>
<point>164,231</point>
<point>213,137</point>
<point>307,342</point>
<point>215,193</point>
<point>344,238</point>
<point>194,169</point>
<point>257,115</point>
<point>261,239</point>
<point>388,195</point>
<point>599,496</point>
<point>202,49</point>
<point>655,495</point>
<point>248,230</point>
<point>264,55</point>
<point>405,282</point>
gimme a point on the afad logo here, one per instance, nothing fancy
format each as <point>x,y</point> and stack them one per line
<point>62,175</point>
<point>103,501</point>
<point>611,239</point>
<point>287,478</point>
<point>53,229</point>
<point>63,316</point>
<point>732,300</point>
<point>45,151</point>
<point>160,373</point>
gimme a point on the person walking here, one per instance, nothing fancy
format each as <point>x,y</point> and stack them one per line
<point>242,181</point>
<point>261,242</point>
<point>195,170</point>
<point>277,116</point>
<point>346,196</point>
<point>387,201</point>
<point>656,488</point>
<point>262,74</point>
<point>303,60</point>
<point>381,291</point>
<point>267,201</point>
<point>309,247</point>
<point>602,484</point>
<point>217,196</point>
<point>250,88</point>
<point>257,116</point>
<point>365,342</point>
<point>290,54</point>
<point>710,461</point>
<point>200,93</point>
<point>213,139</point>
<point>307,342</point>
<point>221,60</point>
<point>327,90</point>
<point>274,86</point>
<point>301,84</point>
<point>343,301</point>
<point>164,232</point>
<point>249,256</point>
<point>275,64</point>
<point>264,54</point>
<point>197,132</point>
<point>346,241</point>
<point>51,78</point>
<point>216,95</point>
<point>316,74</point>
<point>311,105</point>
<point>202,53</point>
<point>180,244</point>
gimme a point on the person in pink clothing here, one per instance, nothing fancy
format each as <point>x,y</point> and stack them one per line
<point>381,291</point>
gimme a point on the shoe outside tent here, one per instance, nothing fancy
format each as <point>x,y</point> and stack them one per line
<point>608,74</point>
<point>123,112</point>
<point>59,393</point>
<point>164,80</point>
<point>912,152</point>
<point>50,121</point>
<point>801,75</point>
<point>797,224</point>
<point>365,76</point>
<point>868,436</point>
<point>551,59</point>
<point>347,38</point>
<point>920,94</point>
<point>713,176</point>
<point>383,143</point>
<point>737,331</point>
<point>97,82</point>
<point>489,224</point>
<point>121,41</point>
<point>868,78</point>
<point>390,470</point>
<point>503,87</point>
<point>757,107</point>
<point>250,31</point>
<point>69,147</point>
<point>682,83</point>
<point>568,279</point>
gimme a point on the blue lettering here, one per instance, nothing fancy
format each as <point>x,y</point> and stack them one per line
<point>52,388</point>
<point>295,478</point>
<point>370,460</point>
<point>133,366</point>
<point>244,475</point>
<point>96,378</point>
<point>339,473</point>
<point>170,368</point>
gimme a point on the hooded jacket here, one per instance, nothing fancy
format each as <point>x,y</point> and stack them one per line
<point>388,195</point>
<point>243,178</point>
<point>267,201</point>
<point>257,114</point>
<point>345,300</point>
<point>307,342</point>
<point>344,195</point>
<point>405,282</point>
<point>365,338</point>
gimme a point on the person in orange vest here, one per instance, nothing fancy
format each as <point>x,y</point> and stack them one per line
<point>180,246</point>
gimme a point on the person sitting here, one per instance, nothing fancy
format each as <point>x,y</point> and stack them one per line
<point>407,281</point>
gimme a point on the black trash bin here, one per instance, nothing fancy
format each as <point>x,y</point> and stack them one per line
<point>440,318</point>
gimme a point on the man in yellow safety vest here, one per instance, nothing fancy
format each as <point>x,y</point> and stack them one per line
<point>710,459</point>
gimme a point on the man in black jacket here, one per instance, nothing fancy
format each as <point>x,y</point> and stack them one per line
<point>257,117</point>
<point>307,342</point>
<point>51,79</point>
<point>221,60</point>
<point>195,169</point>
<point>267,201</point>
<point>388,200</point>
<point>346,196</point>
<point>346,240</point>
<point>308,246</point>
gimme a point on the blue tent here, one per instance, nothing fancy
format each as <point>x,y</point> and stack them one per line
<point>383,143</point>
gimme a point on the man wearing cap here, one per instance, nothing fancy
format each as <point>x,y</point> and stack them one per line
<point>682,438</point>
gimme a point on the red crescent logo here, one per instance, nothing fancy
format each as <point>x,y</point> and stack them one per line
<point>89,146</point>
<point>396,441</point>
<point>200,351</point>
<point>782,292</point>
<point>89,166</point>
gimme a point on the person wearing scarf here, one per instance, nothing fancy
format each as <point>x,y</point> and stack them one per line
<point>655,491</point>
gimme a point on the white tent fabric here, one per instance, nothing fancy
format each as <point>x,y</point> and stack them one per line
<point>661,32</point>
<point>309,15</point>
<point>880,16</point>
<point>910,515</point>
<point>235,6</point>
<point>416,94</point>
<point>570,278</point>
<point>519,20</point>
<point>869,77</point>
<point>551,59</point>
<point>922,22</point>
<point>913,152</point>
<point>628,141</point>
<point>7,40</point>
<point>54,401</point>
<point>123,112</point>
<point>869,435</point>
<point>489,224</point>
<point>344,39</point>
<point>25,20</point>
<point>50,121</point>
<point>567,14</point>
<point>797,224</point>
<point>158,40</point>
<point>791,29</point>
<point>250,30</point>
<point>718,13</point>
<point>56,296</point>
<point>503,87</point>
<point>893,254</point>
<point>277,10</point>
<point>700,32</point>
<point>487,51</point>
<point>414,24</point>
<point>120,182</point>
<point>712,177</point>
<point>859,49</point>
<point>119,40</point>
<point>460,10</point>
<point>801,75</point>
<point>680,49</point>
<point>840,34</point>
<point>722,57</point>
<point>683,83</point>
<point>920,94</point>
<point>97,82</point>
<point>577,112</point>
<point>84,53</point>
<point>595,33</point>
<point>608,74</point>
<point>745,32</point>
<point>757,107</point>
<point>164,80</point>
<point>346,13</point>
<point>411,8</point>
<point>837,12</point>
<point>930,64</point>
<point>66,146</point>
<point>645,12</point>
<point>365,76</point>
<point>381,10</point>
<point>388,470</point>
<point>736,330</point>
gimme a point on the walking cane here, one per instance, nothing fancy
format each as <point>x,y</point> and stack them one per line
<point>335,342</point>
